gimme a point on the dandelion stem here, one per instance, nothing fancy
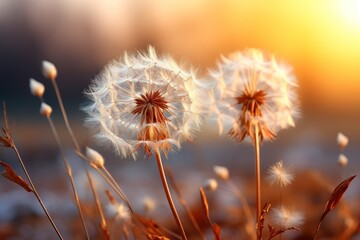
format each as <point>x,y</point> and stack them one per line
<point>257,167</point>
<point>69,173</point>
<point>35,192</point>
<point>168,195</point>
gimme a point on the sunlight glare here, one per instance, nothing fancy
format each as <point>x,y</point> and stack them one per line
<point>351,11</point>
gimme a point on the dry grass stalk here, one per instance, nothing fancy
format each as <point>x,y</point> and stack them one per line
<point>334,200</point>
<point>183,201</point>
<point>149,228</point>
<point>155,237</point>
<point>69,173</point>
<point>260,223</point>
<point>103,224</point>
<point>8,141</point>
<point>63,112</point>
<point>274,232</point>
<point>215,228</point>
<point>109,179</point>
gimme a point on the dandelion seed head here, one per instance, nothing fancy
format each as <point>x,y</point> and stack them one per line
<point>278,174</point>
<point>342,160</point>
<point>94,157</point>
<point>45,110</point>
<point>36,88</point>
<point>221,172</point>
<point>210,184</point>
<point>254,87</point>
<point>49,70</point>
<point>285,218</point>
<point>342,140</point>
<point>144,101</point>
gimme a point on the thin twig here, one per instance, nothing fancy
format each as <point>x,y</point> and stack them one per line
<point>10,143</point>
<point>183,201</point>
<point>168,195</point>
<point>66,120</point>
<point>69,173</point>
<point>108,174</point>
<point>98,205</point>
<point>36,193</point>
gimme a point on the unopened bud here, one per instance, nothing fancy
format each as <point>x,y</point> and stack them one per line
<point>37,88</point>
<point>342,160</point>
<point>342,140</point>
<point>210,184</point>
<point>49,70</point>
<point>45,110</point>
<point>94,157</point>
<point>221,172</point>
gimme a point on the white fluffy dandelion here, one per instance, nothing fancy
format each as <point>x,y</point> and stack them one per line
<point>143,101</point>
<point>280,175</point>
<point>254,90</point>
<point>285,218</point>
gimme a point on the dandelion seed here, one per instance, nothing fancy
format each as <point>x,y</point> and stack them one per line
<point>279,175</point>
<point>221,172</point>
<point>285,218</point>
<point>94,157</point>
<point>149,204</point>
<point>49,70</point>
<point>342,160</point>
<point>253,91</point>
<point>210,184</point>
<point>120,211</point>
<point>45,110</point>
<point>36,88</point>
<point>342,140</point>
<point>144,101</point>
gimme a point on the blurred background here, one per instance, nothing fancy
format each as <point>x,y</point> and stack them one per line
<point>320,39</point>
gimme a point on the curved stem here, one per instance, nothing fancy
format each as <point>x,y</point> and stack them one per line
<point>168,195</point>
<point>36,193</point>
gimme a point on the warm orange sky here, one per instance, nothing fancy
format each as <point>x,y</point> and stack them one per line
<point>320,38</point>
